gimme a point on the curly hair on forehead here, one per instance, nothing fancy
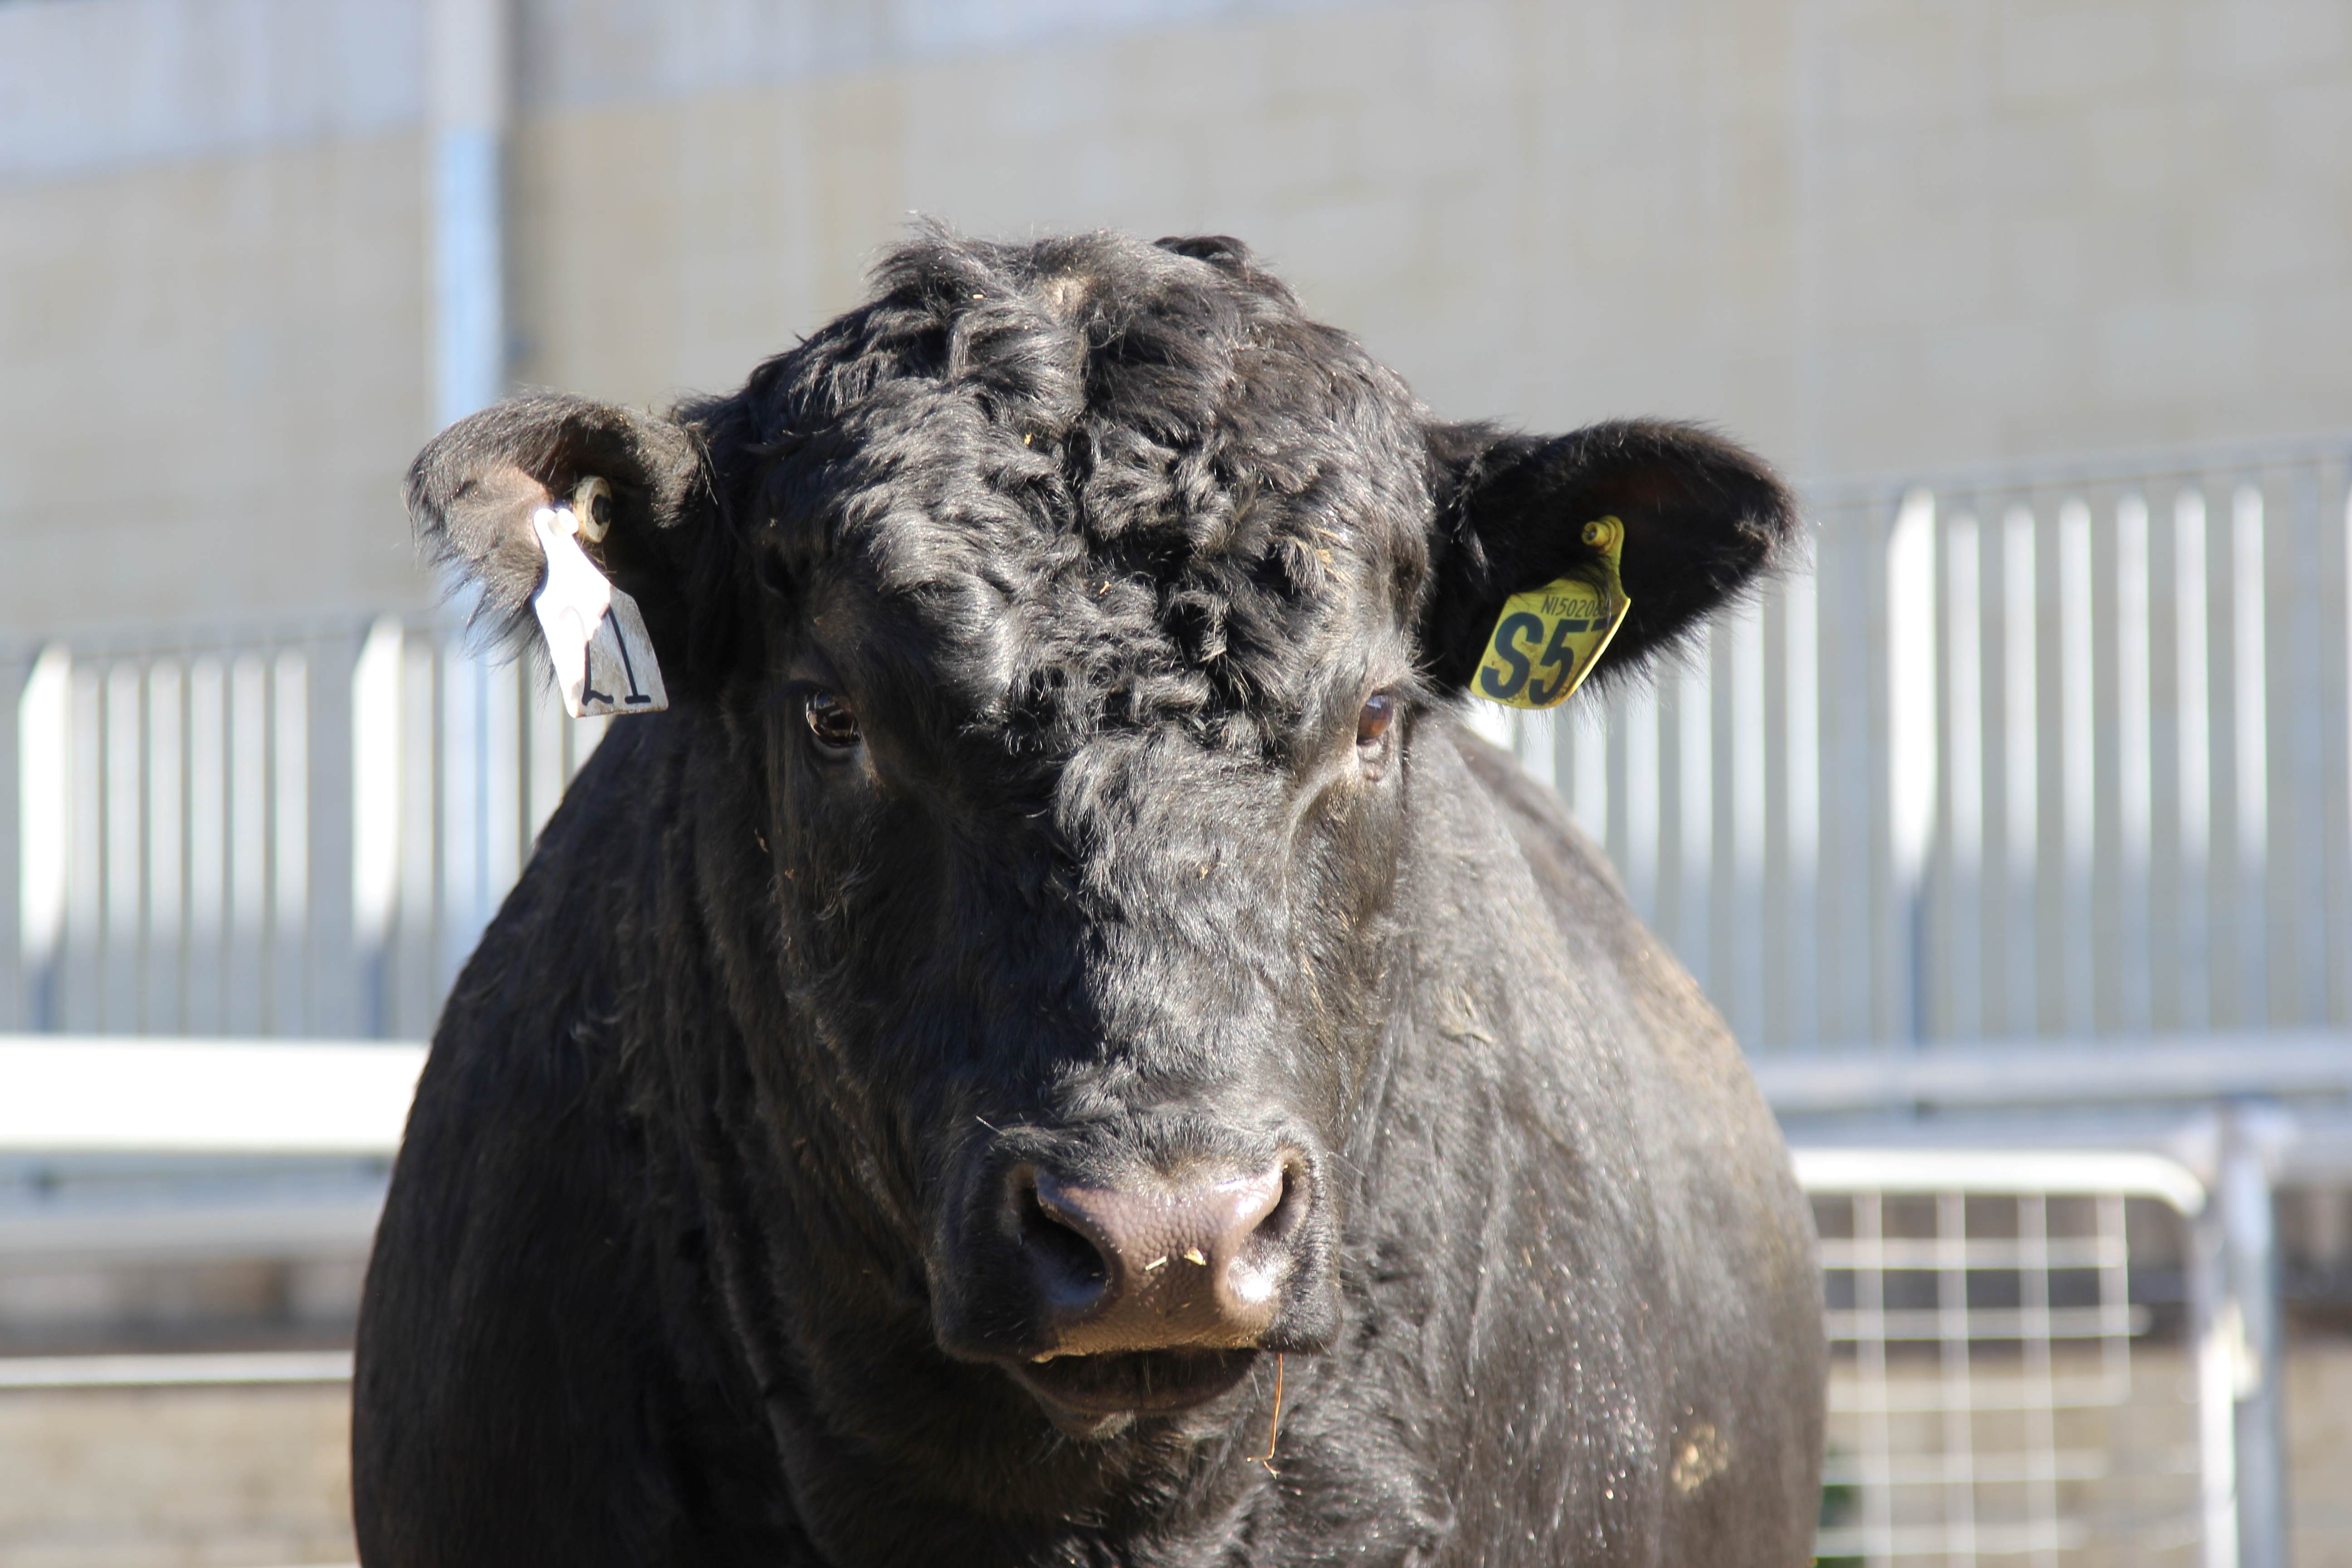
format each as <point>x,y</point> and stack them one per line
<point>1115,481</point>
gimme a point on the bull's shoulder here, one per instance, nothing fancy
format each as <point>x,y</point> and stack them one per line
<point>520,1357</point>
<point>1572,1085</point>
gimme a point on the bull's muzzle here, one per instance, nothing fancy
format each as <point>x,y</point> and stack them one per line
<point>1195,1265</point>
<point>1125,1286</point>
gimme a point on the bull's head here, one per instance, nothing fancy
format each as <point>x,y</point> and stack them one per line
<point>1066,619</point>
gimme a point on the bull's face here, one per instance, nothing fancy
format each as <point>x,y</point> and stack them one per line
<point>1068,614</point>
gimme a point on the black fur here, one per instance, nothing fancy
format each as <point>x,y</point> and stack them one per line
<point>1107,545</point>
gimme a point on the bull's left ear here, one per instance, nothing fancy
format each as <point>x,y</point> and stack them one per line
<point>1702,519</point>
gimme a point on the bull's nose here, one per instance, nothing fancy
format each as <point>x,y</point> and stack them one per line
<point>1159,1265</point>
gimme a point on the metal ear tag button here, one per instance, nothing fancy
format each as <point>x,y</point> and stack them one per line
<point>1547,640</point>
<point>603,660</point>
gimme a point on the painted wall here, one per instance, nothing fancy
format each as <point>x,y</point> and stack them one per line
<point>1863,235</point>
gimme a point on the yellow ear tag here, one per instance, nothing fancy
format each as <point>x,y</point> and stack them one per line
<point>1547,640</point>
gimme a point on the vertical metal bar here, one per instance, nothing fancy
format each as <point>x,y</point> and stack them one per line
<point>140,793</point>
<point>1815,853</point>
<point>1672,693</point>
<point>2334,481</point>
<point>42,723</point>
<point>210,844</point>
<point>2022,769</point>
<point>291,958</point>
<point>1742,795</point>
<point>2074,938</point>
<point>582,736</point>
<point>1963,1010</point>
<point>1800,690</point>
<point>247,867</point>
<point>2105,890</point>
<point>2250,1244</point>
<point>2299,829</point>
<point>1854,819</point>
<point>1840,888</point>
<point>1694,844</point>
<point>465,806</point>
<point>1908,621</point>
<point>121,847</point>
<point>413,986</point>
<point>1532,739</point>
<point>1934,945</point>
<point>1644,785</point>
<point>333,1004</point>
<point>2333,721</point>
<point>1615,835</point>
<point>2250,708</point>
<point>547,779</point>
<point>2191,954</point>
<point>1772,939</point>
<point>2165,857</point>
<point>2135,766</point>
<point>166,774</point>
<point>468,66</point>
<point>469,69</point>
<point>2114,1297</point>
<point>505,818</point>
<point>2213,1328</point>
<point>1585,772</point>
<point>378,776</point>
<point>85,866</point>
<point>16,671</point>
<point>99,817</point>
<point>184,980</point>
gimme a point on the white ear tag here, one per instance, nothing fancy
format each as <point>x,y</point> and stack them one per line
<point>604,661</point>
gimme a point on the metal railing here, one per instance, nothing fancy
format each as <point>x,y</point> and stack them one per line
<point>297,833</point>
<point>2046,753</point>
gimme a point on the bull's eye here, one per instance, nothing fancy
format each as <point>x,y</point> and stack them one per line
<point>830,719</point>
<point>1372,724</point>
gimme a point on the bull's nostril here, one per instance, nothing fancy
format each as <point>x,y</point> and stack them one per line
<point>1069,1266</point>
<point>1263,1256</point>
<point>1289,1208</point>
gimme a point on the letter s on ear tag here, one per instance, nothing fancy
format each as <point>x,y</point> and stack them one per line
<point>604,661</point>
<point>1547,640</point>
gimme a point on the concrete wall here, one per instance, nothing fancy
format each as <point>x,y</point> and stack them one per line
<point>1864,236</point>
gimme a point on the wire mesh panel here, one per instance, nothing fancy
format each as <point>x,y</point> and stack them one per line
<point>1997,1393</point>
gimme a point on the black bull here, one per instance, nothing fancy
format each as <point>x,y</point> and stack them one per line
<point>1059,984</point>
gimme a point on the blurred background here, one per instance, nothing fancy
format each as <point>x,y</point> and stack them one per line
<point>2014,838</point>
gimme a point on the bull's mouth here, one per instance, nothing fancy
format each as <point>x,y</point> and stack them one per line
<point>1086,1392</point>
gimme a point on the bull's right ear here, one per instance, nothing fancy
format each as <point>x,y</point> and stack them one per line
<point>653,528</point>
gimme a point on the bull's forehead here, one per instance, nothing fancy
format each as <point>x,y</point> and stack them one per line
<point>1230,600</point>
<point>1205,510</point>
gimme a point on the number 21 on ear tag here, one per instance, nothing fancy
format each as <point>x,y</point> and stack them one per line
<point>603,660</point>
<point>1547,639</point>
